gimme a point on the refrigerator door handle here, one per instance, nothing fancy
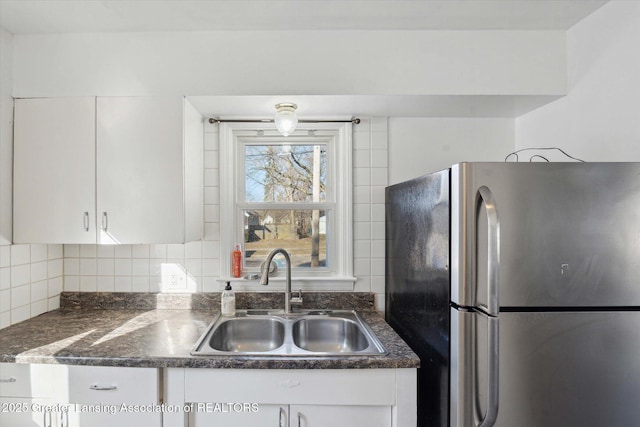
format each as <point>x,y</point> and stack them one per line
<point>491,415</point>
<point>493,248</point>
<point>493,268</point>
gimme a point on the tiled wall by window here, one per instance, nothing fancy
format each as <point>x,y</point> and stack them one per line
<point>369,179</point>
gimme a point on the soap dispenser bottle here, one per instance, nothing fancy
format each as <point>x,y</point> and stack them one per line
<point>228,301</point>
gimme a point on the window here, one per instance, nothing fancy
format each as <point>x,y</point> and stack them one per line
<point>288,192</point>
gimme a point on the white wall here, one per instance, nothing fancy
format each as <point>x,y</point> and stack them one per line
<point>30,275</point>
<point>421,145</point>
<point>599,119</point>
<point>313,63</point>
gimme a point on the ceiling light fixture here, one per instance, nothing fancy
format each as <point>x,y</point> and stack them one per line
<point>286,119</point>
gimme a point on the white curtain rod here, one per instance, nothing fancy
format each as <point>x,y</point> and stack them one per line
<point>214,120</point>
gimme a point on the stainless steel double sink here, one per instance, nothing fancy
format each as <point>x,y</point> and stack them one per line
<point>274,333</point>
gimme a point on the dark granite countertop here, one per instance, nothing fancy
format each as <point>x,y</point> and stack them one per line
<point>141,330</point>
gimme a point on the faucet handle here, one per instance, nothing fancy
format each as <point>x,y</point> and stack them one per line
<point>298,299</point>
<point>273,267</point>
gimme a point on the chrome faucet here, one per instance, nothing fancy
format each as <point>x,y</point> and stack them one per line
<point>264,280</point>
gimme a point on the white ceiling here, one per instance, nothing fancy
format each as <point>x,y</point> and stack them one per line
<point>80,16</point>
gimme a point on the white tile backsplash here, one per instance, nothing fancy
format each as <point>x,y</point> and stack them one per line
<point>362,212</point>
<point>21,313</point>
<point>20,295</point>
<point>106,251</point>
<point>5,279</point>
<point>20,254</point>
<point>140,251</point>
<point>105,283</point>
<point>106,267</point>
<point>39,271</point>
<point>20,275</point>
<point>5,300</point>
<point>39,253</point>
<point>5,256</point>
<point>54,287</point>
<point>88,251</point>
<point>39,291</point>
<point>88,266</point>
<point>122,251</point>
<point>123,266</point>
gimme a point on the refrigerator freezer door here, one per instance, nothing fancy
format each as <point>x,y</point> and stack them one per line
<point>569,234</point>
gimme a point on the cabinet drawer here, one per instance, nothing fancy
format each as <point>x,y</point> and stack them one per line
<point>113,386</point>
<point>33,380</point>
<point>340,416</point>
<point>292,386</point>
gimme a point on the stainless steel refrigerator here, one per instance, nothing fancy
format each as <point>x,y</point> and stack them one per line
<point>518,285</point>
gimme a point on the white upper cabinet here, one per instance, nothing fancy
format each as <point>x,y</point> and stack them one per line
<point>131,167</point>
<point>54,170</point>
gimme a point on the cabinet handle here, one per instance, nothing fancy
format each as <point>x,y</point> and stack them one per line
<point>8,380</point>
<point>105,221</point>
<point>280,414</point>
<point>85,221</point>
<point>45,424</point>
<point>299,420</point>
<point>99,387</point>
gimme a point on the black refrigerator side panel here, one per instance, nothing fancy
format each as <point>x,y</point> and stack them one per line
<point>417,284</point>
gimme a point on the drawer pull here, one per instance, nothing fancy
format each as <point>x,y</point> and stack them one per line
<point>8,380</point>
<point>289,383</point>
<point>98,387</point>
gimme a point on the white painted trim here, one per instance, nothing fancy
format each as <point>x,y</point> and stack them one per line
<point>340,199</point>
<point>277,284</point>
<point>405,412</point>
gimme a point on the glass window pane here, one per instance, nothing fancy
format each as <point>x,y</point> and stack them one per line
<point>302,233</point>
<point>285,173</point>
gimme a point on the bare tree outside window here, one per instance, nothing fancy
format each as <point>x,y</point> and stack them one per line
<point>290,174</point>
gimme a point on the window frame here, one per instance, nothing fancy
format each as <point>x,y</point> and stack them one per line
<point>338,140</point>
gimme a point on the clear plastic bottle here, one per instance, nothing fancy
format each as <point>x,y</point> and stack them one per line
<point>228,301</point>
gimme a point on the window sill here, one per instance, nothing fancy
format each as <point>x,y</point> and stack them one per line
<point>278,284</point>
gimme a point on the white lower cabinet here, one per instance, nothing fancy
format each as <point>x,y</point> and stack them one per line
<point>40,395</point>
<point>291,397</point>
<point>207,414</point>
<point>29,395</point>
<point>109,396</point>
<point>261,415</point>
<point>339,416</point>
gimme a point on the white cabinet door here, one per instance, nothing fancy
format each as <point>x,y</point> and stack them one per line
<point>54,170</point>
<point>140,170</point>
<point>339,416</point>
<point>26,412</point>
<point>107,170</point>
<point>33,395</point>
<point>238,415</point>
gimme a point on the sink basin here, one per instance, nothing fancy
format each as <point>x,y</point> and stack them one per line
<point>329,335</point>
<point>248,335</point>
<point>273,333</point>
